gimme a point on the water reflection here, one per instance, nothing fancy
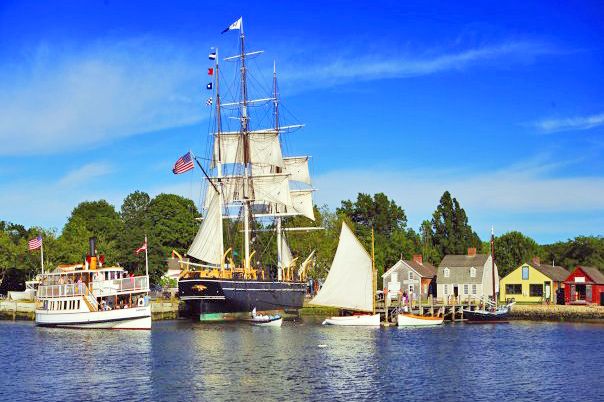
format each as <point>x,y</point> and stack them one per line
<point>186,361</point>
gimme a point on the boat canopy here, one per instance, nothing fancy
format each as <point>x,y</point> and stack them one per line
<point>349,283</point>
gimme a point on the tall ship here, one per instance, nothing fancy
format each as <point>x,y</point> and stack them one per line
<point>240,259</point>
<point>89,295</point>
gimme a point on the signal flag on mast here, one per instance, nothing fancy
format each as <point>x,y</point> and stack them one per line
<point>234,25</point>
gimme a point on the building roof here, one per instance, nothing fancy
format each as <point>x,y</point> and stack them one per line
<point>594,273</point>
<point>477,260</point>
<point>425,270</point>
<point>554,272</point>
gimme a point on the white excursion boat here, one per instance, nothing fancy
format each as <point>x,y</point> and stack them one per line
<point>350,284</point>
<point>29,294</point>
<point>87,296</point>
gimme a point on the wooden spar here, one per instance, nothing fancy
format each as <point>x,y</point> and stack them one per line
<point>493,264</point>
<point>373,273</point>
<point>279,234</point>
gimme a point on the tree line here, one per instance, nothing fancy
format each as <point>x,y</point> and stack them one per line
<point>169,221</point>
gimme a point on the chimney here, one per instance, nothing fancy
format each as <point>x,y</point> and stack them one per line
<point>418,258</point>
<point>471,251</point>
<point>536,261</point>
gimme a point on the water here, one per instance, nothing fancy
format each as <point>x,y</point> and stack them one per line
<point>184,361</point>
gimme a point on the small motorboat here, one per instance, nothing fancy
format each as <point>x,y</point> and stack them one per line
<point>413,320</point>
<point>365,320</point>
<point>266,320</point>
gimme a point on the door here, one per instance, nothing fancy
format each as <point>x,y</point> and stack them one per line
<point>455,290</point>
<point>588,293</point>
<point>548,291</point>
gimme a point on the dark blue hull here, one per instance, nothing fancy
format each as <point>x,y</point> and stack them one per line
<point>223,298</point>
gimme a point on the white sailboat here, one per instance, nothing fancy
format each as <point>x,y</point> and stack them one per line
<point>350,283</point>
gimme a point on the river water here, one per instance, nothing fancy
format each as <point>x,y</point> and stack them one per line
<point>185,361</point>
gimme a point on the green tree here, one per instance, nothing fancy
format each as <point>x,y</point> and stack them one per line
<point>172,226</point>
<point>451,233</point>
<point>582,250</point>
<point>512,249</point>
<point>134,215</point>
<point>91,218</point>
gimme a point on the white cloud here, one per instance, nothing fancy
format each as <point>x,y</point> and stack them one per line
<point>85,173</point>
<point>570,123</point>
<point>60,100</point>
<point>365,67</point>
<point>509,196</point>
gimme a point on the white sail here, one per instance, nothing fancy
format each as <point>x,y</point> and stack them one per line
<point>349,283</point>
<point>302,203</point>
<point>272,188</point>
<point>207,245</point>
<point>264,148</point>
<point>286,253</point>
<point>297,167</point>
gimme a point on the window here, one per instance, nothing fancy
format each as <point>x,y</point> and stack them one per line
<point>525,272</point>
<point>515,289</point>
<point>474,289</point>
<point>536,290</point>
<point>446,272</point>
<point>446,289</point>
<point>465,289</point>
<point>410,275</point>
<point>472,272</point>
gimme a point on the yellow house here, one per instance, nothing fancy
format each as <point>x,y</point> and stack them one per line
<point>533,283</point>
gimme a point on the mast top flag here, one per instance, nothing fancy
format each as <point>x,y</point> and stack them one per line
<point>235,25</point>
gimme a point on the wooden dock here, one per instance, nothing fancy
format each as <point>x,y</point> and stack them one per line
<point>430,308</point>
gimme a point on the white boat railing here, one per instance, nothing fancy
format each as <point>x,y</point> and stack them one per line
<point>114,286</point>
<point>70,289</point>
<point>97,288</point>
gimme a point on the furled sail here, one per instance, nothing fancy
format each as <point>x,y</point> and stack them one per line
<point>207,245</point>
<point>297,167</point>
<point>349,283</point>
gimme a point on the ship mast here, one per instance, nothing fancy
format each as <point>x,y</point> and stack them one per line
<point>219,161</point>
<point>279,234</point>
<point>246,159</point>
<point>493,265</point>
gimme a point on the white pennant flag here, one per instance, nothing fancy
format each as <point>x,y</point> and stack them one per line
<point>234,25</point>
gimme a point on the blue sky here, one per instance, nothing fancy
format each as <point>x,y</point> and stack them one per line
<point>500,104</point>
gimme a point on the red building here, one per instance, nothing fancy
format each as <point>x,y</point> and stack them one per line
<point>584,285</point>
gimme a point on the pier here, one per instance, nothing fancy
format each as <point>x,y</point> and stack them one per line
<point>451,310</point>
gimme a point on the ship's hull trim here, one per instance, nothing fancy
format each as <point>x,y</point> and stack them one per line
<point>218,299</point>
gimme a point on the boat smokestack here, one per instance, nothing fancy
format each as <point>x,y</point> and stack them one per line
<point>92,244</point>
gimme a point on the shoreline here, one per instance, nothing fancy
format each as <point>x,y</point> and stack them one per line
<point>167,309</point>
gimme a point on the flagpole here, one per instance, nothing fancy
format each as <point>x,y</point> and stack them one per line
<point>42,255</point>
<point>146,258</point>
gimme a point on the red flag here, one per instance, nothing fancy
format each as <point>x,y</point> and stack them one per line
<point>142,248</point>
<point>210,71</point>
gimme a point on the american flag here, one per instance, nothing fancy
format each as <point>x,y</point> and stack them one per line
<point>34,244</point>
<point>183,164</point>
